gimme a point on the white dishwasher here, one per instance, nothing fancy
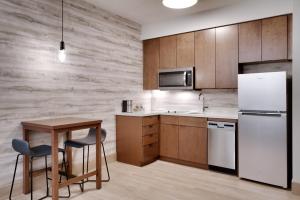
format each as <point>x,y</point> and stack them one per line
<point>221,144</point>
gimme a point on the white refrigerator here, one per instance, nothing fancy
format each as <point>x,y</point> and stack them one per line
<point>262,127</point>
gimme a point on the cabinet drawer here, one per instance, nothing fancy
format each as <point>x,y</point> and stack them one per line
<point>193,121</point>
<point>150,139</point>
<point>150,120</point>
<point>169,120</point>
<point>150,152</point>
<point>150,129</point>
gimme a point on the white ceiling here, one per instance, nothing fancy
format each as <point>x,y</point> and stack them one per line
<point>152,11</point>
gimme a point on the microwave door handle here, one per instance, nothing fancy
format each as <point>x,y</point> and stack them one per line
<point>185,79</point>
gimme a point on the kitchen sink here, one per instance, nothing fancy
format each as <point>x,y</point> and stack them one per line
<point>186,112</point>
<point>195,113</point>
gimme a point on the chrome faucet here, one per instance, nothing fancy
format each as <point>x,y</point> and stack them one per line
<point>202,99</point>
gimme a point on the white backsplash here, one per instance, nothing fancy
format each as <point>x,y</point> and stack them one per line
<point>220,100</point>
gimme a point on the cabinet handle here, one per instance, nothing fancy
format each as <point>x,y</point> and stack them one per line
<point>150,126</point>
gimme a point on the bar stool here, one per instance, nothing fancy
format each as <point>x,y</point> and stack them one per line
<point>89,140</point>
<point>23,148</point>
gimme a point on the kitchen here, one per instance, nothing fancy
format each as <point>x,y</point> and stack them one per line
<point>176,98</point>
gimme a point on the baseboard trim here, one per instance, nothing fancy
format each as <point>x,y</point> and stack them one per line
<point>181,162</point>
<point>296,188</point>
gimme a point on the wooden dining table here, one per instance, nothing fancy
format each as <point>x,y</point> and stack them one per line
<point>54,127</point>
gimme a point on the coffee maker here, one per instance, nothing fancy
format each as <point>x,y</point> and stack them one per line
<point>127,106</point>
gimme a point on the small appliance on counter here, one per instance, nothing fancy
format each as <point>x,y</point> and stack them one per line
<point>127,106</point>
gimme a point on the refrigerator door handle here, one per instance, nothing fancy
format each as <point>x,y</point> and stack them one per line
<point>262,114</point>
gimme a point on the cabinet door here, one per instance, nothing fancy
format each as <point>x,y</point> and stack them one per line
<point>274,38</point>
<point>205,59</point>
<point>169,140</point>
<point>193,144</point>
<point>167,52</point>
<point>151,64</point>
<point>290,37</point>
<point>227,56</point>
<point>186,50</point>
<point>250,42</point>
<point>129,139</point>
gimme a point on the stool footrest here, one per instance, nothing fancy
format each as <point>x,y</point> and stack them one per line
<point>77,179</point>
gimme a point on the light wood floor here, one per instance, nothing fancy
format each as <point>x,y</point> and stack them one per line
<point>166,181</point>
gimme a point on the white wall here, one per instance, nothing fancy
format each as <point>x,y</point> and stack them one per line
<point>244,11</point>
<point>296,92</point>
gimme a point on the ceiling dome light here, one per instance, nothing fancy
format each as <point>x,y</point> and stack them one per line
<point>179,4</point>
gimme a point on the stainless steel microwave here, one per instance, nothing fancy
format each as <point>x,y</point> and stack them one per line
<point>176,79</point>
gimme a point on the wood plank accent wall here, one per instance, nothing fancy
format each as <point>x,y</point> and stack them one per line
<point>104,65</point>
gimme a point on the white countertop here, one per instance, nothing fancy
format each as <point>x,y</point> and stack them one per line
<point>207,114</point>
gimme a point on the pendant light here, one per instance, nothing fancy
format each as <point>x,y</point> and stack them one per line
<point>62,48</point>
<point>179,4</point>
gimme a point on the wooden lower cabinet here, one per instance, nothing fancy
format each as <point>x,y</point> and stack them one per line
<point>141,140</point>
<point>193,144</point>
<point>137,139</point>
<point>183,140</point>
<point>169,140</point>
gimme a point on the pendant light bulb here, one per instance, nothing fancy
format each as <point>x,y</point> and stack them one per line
<point>62,49</point>
<point>62,52</point>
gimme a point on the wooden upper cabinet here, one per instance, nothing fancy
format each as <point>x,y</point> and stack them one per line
<point>227,56</point>
<point>205,59</point>
<point>186,50</point>
<point>151,64</point>
<point>169,140</point>
<point>193,144</point>
<point>250,41</point>
<point>290,37</point>
<point>167,52</point>
<point>274,38</point>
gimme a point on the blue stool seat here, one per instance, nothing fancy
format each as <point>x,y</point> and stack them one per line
<point>90,139</point>
<point>23,148</point>
<point>79,143</point>
<point>43,150</point>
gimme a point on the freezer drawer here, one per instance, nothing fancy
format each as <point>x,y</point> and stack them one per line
<point>262,91</point>
<point>221,144</point>
<point>263,147</point>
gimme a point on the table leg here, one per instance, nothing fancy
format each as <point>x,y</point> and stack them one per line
<point>54,156</point>
<point>69,154</point>
<point>26,184</point>
<point>98,156</point>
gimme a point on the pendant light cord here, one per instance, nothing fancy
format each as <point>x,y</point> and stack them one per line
<point>62,20</point>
